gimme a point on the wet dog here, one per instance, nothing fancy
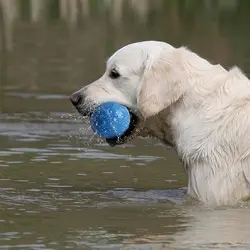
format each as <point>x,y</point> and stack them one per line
<point>200,109</point>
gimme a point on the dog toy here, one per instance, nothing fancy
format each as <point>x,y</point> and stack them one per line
<point>110,120</point>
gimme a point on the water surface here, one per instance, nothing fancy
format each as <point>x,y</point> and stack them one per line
<point>61,187</point>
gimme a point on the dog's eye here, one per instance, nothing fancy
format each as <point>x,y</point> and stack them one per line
<point>114,74</point>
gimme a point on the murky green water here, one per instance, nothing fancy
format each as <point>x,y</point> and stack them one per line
<point>63,188</point>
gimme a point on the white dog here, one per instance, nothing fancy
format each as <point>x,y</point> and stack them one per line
<point>202,110</point>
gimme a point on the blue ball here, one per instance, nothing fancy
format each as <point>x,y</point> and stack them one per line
<point>110,120</point>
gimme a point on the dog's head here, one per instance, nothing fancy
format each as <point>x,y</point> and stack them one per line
<point>146,77</point>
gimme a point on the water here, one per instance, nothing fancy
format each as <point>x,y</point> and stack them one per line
<point>61,187</point>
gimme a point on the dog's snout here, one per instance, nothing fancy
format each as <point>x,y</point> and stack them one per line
<point>76,98</point>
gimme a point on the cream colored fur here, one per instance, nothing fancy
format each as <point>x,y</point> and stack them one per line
<point>202,110</point>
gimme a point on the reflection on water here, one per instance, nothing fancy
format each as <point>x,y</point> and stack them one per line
<point>51,181</point>
<point>62,187</point>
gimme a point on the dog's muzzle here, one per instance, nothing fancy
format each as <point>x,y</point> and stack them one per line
<point>78,100</point>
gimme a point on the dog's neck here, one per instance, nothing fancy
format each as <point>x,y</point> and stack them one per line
<point>159,126</point>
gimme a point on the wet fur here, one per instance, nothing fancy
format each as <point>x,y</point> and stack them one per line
<point>202,110</point>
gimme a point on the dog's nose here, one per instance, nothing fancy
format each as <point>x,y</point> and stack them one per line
<point>76,98</point>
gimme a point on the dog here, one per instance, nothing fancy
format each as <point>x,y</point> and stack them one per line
<point>201,109</point>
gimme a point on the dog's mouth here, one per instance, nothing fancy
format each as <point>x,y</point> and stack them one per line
<point>128,135</point>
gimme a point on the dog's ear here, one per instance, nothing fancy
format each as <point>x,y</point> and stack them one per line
<point>160,86</point>
<point>167,78</point>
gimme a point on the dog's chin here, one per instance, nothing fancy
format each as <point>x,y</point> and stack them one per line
<point>129,134</point>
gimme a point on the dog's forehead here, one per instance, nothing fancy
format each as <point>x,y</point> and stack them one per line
<point>133,55</point>
<point>130,56</point>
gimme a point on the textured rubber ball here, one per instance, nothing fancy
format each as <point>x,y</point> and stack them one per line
<point>110,120</point>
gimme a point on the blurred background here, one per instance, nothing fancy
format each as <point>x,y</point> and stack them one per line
<point>61,187</point>
<point>58,46</point>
